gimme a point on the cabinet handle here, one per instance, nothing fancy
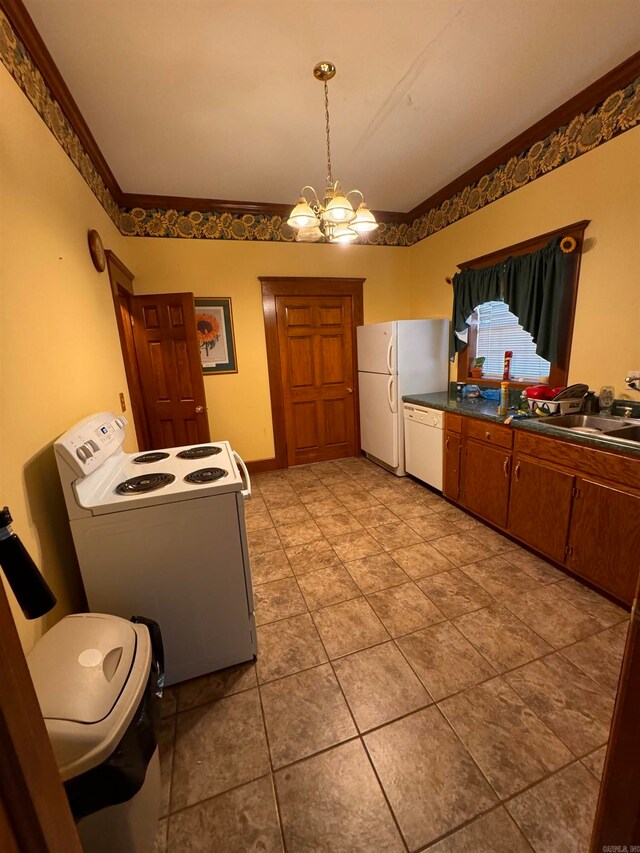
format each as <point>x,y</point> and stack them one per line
<point>517,471</point>
<point>487,435</point>
<point>505,466</point>
<point>446,442</point>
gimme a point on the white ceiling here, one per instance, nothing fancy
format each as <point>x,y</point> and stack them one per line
<point>216,98</point>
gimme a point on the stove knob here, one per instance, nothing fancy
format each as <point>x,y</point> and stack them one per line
<point>93,445</point>
<point>121,422</point>
<point>83,453</point>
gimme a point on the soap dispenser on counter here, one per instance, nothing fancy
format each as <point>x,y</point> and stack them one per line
<point>590,404</point>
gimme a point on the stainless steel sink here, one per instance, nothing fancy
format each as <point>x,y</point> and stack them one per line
<point>629,433</point>
<point>586,423</point>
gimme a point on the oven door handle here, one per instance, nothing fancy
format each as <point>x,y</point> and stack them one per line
<point>246,493</point>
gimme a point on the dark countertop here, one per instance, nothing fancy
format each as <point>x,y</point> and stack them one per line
<point>487,410</point>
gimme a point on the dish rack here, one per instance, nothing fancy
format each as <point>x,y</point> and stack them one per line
<point>555,407</point>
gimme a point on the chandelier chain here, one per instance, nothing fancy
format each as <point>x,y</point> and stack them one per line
<point>326,112</point>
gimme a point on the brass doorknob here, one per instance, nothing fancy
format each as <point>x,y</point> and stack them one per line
<point>349,390</point>
<point>199,410</point>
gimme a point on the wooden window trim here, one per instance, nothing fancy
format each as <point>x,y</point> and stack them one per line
<point>273,286</point>
<point>558,375</point>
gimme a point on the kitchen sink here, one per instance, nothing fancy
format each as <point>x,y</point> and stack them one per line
<point>630,433</point>
<point>586,423</point>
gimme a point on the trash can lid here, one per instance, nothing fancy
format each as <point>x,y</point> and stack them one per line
<point>80,666</point>
<point>90,672</point>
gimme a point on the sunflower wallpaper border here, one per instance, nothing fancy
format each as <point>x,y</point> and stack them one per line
<point>617,113</point>
<point>214,327</point>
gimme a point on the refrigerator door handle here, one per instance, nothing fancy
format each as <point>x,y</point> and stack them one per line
<point>389,360</point>
<point>390,395</point>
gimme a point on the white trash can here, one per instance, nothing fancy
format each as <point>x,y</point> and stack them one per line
<point>99,679</point>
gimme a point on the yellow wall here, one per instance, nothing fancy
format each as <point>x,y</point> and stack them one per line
<point>59,350</point>
<point>239,404</point>
<point>603,186</point>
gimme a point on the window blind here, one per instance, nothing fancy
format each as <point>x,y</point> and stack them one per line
<point>498,331</point>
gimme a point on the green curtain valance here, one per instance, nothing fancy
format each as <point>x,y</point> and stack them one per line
<point>532,285</point>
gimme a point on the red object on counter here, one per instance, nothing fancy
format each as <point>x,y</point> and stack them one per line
<point>507,364</point>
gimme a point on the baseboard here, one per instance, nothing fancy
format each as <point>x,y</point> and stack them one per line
<point>259,466</point>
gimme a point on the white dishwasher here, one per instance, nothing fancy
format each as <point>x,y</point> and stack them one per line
<point>423,443</point>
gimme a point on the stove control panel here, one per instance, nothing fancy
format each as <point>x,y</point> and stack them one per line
<point>91,442</point>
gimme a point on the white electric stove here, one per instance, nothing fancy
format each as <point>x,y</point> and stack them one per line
<point>162,534</point>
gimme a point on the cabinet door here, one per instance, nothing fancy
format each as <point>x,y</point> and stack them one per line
<point>486,481</point>
<point>540,506</point>
<point>604,537</point>
<point>451,479</point>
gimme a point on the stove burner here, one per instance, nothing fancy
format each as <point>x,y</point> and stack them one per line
<point>205,475</point>
<point>151,457</point>
<point>199,452</point>
<point>144,483</point>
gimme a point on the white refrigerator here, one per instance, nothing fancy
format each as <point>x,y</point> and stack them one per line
<point>395,359</point>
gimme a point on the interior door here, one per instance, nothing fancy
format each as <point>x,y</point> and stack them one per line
<point>166,343</point>
<point>316,362</point>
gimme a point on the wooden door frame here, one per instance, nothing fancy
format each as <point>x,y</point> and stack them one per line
<point>272,287</point>
<point>121,283</point>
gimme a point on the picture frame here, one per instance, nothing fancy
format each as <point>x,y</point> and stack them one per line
<point>214,327</point>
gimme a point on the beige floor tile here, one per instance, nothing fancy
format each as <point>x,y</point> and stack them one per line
<point>327,506</point>
<point>408,506</point>
<point>304,714</point>
<point>380,686</point>
<point>218,746</point>
<point>349,627</point>
<point>271,566</point>
<point>332,803</point>
<point>605,612</point>
<point>444,661</point>
<point>338,523</point>
<point>493,541</point>
<point>160,841</point>
<point>394,535</point>
<point>216,685</point>
<point>431,782</point>
<point>166,739</point>
<point>500,578</point>
<point>494,832</point>
<point>501,637</point>
<point>169,702</point>
<point>288,646</point>
<point>512,747</point>
<point>379,571</point>
<point>373,516</point>
<point>261,541</point>
<point>557,814</point>
<point>552,616</point>
<point>403,609</point>
<point>455,593</point>
<point>308,558</point>
<point>299,533</point>
<point>537,568</point>
<point>292,514</point>
<point>354,546</point>
<point>277,600</point>
<point>422,560</point>
<point>353,496</point>
<point>327,586</point>
<point>600,656</point>
<point>238,821</point>
<point>460,548</point>
<point>431,526</point>
<point>315,494</point>
<point>258,521</point>
<point>595,761</point>
<point>567,700</point>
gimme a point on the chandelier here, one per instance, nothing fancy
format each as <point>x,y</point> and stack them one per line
<point>333,219</point>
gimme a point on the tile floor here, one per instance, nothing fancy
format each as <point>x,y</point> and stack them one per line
<point>422,683</point>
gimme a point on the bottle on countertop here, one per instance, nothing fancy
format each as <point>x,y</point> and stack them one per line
<point>504,399</point>
<point>507,364</point>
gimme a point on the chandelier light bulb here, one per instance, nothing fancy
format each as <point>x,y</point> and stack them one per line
<point>364,220</point>
<point>343,234</point>
<point>302,215</point>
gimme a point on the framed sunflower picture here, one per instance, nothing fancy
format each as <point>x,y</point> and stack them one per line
<point>214,326</point>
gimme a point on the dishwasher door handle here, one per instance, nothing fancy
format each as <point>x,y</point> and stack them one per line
<point>246,493</point>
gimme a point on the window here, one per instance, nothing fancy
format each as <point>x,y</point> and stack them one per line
<point>498,330</point>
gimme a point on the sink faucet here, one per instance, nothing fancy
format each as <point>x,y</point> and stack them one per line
<point>633,380</point>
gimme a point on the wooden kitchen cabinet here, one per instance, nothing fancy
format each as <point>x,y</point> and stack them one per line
<point>604,537</point>
<point>485,483</point>
<point>540,506</point>
<point>451,478</point>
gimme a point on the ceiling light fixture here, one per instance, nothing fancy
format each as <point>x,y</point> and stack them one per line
<point>333,219</point>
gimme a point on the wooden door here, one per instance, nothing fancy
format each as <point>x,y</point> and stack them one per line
<point>451,474</point>
<point>315,338</point>
<point>540,506</point>
<point>604,537</point>
<point>486,481</point>
<point>164,332</point>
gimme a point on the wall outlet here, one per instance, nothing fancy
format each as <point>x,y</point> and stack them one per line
<point>123,405</point>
